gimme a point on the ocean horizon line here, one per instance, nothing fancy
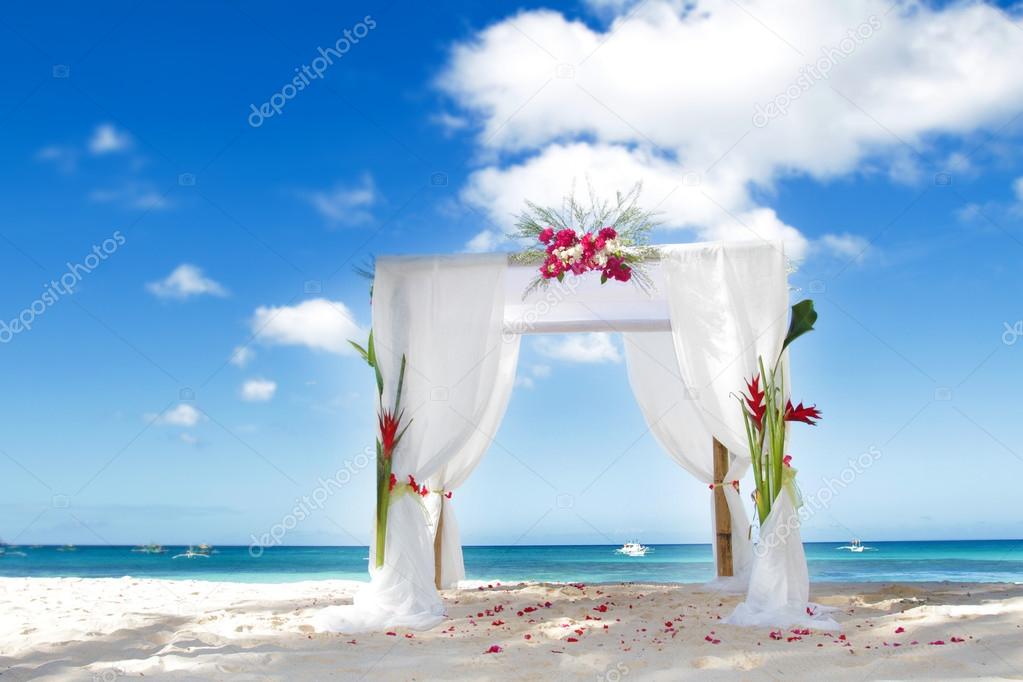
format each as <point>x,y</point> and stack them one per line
<point>485,546</point>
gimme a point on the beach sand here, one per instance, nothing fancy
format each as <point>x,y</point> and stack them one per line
<point>114,629</point>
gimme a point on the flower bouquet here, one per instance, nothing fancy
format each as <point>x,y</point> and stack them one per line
<point>391,432</point>
<point>611,238</point>
<point>766,413</point>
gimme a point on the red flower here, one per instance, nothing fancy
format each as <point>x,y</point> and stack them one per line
<point>394,481</point>
<point>448,494</point>
<point>412,482</point>
<point>546,235</point>
<point>607,233</point>
<point>807,415</point>
<point>755,401</point>
<point>787,461</point>
<point>388,431</point>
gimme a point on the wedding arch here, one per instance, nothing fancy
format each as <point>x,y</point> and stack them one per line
<point>446,334</point>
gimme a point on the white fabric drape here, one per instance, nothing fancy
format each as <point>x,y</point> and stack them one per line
<point>727,303</point>
<point>457,469</point>
<point>779,590</point>
<point>445,314</point>
<point>676,418</point>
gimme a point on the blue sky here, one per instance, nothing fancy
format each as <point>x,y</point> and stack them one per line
<point>131,416</point>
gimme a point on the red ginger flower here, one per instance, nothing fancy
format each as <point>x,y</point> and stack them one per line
<point>807,415</point>
<point>755,401</point>
<point>389,424</point>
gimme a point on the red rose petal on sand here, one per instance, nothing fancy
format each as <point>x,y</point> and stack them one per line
<point>392,634</point>
<point>527,636</point>
<point>957,640</point>
<point>494,649</point>
<point>937,642</point>
<point>572,639</point>
<point>899,630</point>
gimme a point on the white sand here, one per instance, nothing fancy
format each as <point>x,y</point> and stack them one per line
<point>113,629</point>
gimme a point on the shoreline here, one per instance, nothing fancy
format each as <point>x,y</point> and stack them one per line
<point>56,628</point>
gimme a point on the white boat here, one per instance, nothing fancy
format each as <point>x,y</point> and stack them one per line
<point>633,549</point>
<point>203,553</point>
<point>856,546</point>
<point>151,548</point>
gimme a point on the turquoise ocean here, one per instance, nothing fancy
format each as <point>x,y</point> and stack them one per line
<point>954,561</point>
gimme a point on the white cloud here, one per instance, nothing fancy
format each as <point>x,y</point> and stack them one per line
<point>184,282</point>
<point>525,382</point>
<point>1017,189</point>
<point>317,323</point>
<point>132,194</point>
<point>450,122</point>
<point>181,415</point>
<point>588,348</point>
<point>107,139</point>
<point>667,94</point>
<point>846,245</point>
<point>258,390</point>
<point>241,356</point>
<point>64,158</point>
<point>486,240</point>
<point>527,376</point>
<point>346,204</point>
<point>189,439</point>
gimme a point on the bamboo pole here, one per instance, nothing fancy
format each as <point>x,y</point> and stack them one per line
<point>438,545</point>
<point>722,517</point>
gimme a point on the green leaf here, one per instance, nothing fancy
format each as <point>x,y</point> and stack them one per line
<point>362,351</point>
<point>803,317</point>
<point>603,278</point>
<point>401,383</point>
<point>561,277</point>
<point>372,359</point>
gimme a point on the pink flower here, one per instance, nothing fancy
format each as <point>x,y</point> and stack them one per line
<point>607,233</point>
<point>566,238</point>
<point>546,235</point>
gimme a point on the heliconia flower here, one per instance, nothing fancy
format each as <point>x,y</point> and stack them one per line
<point>388,431</point>
<point>807,415</point>
<point>546,235</point>
<point>755,401</point>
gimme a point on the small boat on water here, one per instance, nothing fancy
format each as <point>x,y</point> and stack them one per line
<point>9,550</point>
<point>202,552</point>
<point>633,549</point>
<point>856,546</point>
<point>151,548</point>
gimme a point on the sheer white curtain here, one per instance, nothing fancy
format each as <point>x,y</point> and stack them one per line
<point>457,469</point>
<point>445,314</point>
<point>676,418</point>
<point>728,304</point>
